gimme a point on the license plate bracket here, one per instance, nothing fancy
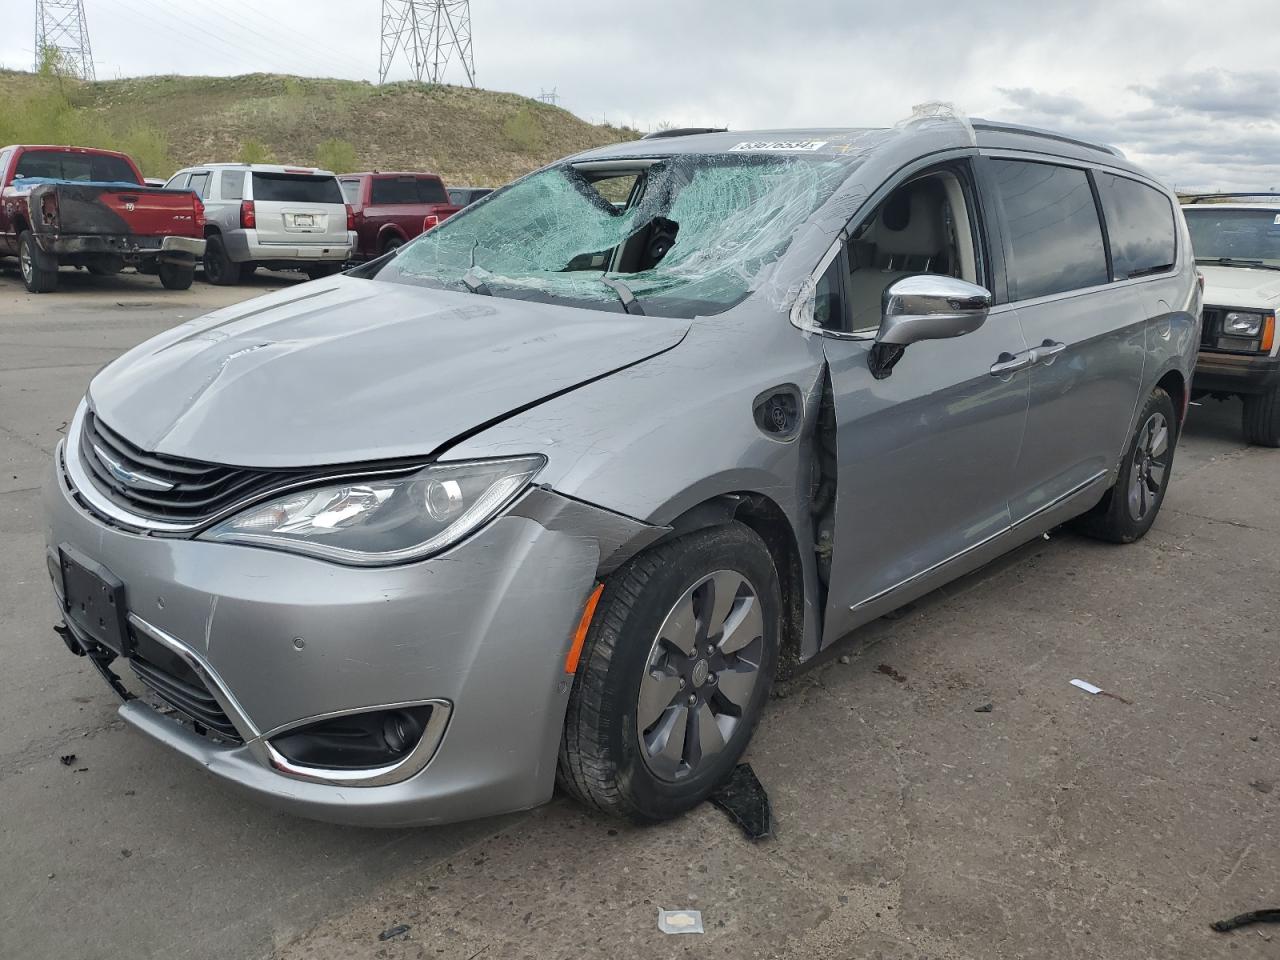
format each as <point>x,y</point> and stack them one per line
<point>94,602</point>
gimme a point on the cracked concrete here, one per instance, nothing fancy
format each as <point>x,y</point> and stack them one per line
<point>1059,825</point>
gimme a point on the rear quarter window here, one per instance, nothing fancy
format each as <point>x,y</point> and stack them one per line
<point>1140,226</point>
<point>295,188</point>
<point>231,185</point>
<point>1054,236</point>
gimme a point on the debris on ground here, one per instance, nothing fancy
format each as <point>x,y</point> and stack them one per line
<point>67,759</point>
<point>1088,687</point>
<point>680,921</point>
<point>845,659</point>
<point>1244,919</point>
<point>888,671</point>
<point>399,930</point>
<point>1263,786</point>
<point>743,798</point>
<point>985,708</point>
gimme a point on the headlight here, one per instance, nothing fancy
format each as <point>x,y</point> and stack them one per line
<point>1236,324</point>
<point>376,522</point>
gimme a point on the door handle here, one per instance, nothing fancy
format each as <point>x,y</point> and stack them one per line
<point>1008,364</point>
<point>1046,352</point>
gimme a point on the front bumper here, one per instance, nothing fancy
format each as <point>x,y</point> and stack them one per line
<point>243,246</point>
<point>1235,373</point>
<point>131,249</point>
<point>482,629</point>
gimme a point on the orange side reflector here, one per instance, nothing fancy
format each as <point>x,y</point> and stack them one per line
<point>1268,333</point>
<point>580,635</point>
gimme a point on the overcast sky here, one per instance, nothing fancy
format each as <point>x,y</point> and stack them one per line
<point>1189,88</point>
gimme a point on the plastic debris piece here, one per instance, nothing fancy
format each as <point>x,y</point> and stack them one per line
<point>67,759</point>
<point>985,708</point>
<point>399,930</point>
<point>680,921</point>
<point>1086,686</point>
<point>1244,919</point>
<point>745,801</point>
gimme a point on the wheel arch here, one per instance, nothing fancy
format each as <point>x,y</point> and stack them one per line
<point>389,230</point>
<point>766,517</point>
<point>1174,384</point>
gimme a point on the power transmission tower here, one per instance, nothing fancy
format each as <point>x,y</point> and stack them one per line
<point>549,96</point>
<point>431,34</point>
<point>62,29</point>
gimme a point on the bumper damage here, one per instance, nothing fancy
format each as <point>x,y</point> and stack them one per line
<point>279,641</point>
<point>133,250</point>
<point>1234,373</point>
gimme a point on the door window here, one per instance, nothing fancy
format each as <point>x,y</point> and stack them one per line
<point>1140,226</point>
<point>351,190</point>
<point>1053,234</point>
<point>926,225</point>
<point>199,183</point>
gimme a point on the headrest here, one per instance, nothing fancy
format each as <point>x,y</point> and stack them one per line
<point>911,221</point>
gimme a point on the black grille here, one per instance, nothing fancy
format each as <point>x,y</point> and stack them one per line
<point>1211,327</point>
<point>200,491</point>
<point>186,694</point>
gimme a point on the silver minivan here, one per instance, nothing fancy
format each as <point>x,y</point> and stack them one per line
<point>270,216</point>
<point>549,493</point>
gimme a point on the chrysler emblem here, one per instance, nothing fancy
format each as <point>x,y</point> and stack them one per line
<point>139,481</point>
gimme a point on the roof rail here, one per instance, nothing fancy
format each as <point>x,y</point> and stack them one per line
<point>1197,197</point>
<point>682,132</point>
<point>999,127</point>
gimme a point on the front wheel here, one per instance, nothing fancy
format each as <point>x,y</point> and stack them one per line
<point>1129,508</point>
<point>1262,418</point>
<point>177,276</point>
<point>35,278</point>
<point>673,676</point>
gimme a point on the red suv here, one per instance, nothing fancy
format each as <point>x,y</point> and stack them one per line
<point>393,208</point>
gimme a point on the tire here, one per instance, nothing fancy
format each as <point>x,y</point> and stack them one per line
<point>1127,511</point>
<point>630,668</point>
<point>177,276</point>
<point>35,278</point>
<point>392,243</point>
<point>319,271</point>
<point>1262,418</point>
<point>219,269</point>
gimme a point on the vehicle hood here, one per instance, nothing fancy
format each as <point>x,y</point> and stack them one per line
<point>1240,286</point>
<point>346,370</point>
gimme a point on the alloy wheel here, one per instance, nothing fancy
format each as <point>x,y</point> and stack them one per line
<point>25,262</point>
<point>1150,466</point>
<point>702,671</point>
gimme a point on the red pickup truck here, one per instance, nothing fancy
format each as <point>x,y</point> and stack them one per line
<point>80,207</point>
<point>393,208</point>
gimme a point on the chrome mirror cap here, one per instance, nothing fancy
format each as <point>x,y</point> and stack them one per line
<point>931,307</point>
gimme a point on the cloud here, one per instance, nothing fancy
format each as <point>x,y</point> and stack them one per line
<point>1217,93</point>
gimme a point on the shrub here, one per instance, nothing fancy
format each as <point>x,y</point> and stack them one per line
<point>251,151</point>
<point>336,155</point>
<point>524,131</point>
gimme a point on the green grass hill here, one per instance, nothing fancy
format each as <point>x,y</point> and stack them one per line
<point>468,136</point>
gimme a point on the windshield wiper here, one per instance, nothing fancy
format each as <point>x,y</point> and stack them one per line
<point>630,305</point>
<point>475,283</point>
<point>1238,262</point>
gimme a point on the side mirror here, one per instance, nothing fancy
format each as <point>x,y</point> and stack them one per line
<point>925,307</point>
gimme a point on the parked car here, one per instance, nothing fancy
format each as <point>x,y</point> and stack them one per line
<point>557,486</point>
<point>465,196</point>
<point>1237,245</point>
<point>76,206</point>
<point>392,208</point>
<point>269,216</point>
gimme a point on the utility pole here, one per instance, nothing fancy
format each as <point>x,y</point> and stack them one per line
<point>549,96</point>
<point>61,27</point>
<point>430,34</point>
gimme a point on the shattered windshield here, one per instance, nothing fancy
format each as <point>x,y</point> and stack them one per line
<point>1235,235</point>
<point>685,235</point>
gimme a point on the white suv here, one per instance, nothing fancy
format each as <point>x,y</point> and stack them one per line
<point>1236,238</point>
<point>280,218</point>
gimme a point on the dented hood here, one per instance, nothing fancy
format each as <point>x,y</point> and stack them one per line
<point>348,370</point>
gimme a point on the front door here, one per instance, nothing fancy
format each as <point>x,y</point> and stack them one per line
<point>926,455</point>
